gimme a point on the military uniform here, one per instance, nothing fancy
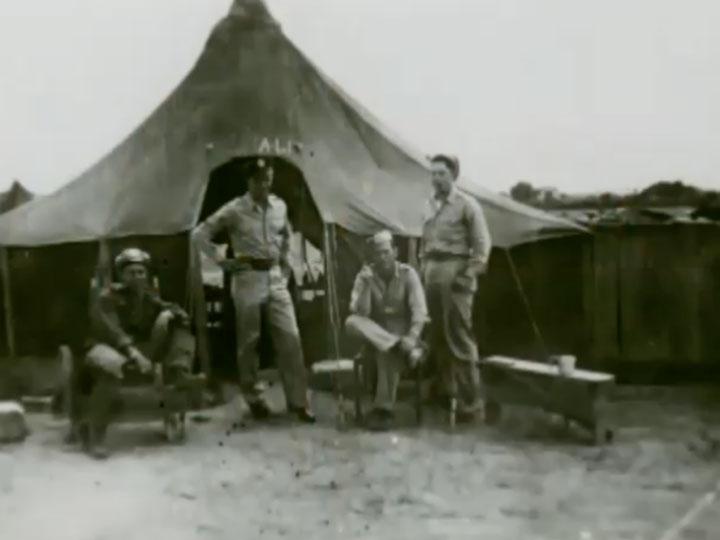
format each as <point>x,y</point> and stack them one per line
<point>259,236</point>
<point>121,319</point>
<point>455,249</point>
<point>383,312</point>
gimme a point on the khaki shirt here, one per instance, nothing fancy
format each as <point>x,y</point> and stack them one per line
<point>457,226</point>
<point>255,231</point>
<point>399,305</point>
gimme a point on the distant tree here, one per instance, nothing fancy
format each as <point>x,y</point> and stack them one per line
<point>523,192</point>
<point>608,200</point>
<point>670,193</point>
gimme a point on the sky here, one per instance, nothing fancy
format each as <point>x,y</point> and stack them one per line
<point>577,94</point>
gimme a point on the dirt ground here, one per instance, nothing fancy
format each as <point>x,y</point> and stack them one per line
<point>526,478</point>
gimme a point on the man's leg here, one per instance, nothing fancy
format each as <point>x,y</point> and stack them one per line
<point>464,352</point>
<point>371,332</point>
<point>105,364</point>
<point>453,341</point>
<point>172,344</point>
<point>285,335</point>
<point>389,368</point>
<point>437,294</point>
<point>249,291</point>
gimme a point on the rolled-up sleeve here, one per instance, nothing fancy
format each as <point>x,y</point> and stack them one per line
<point>204,233</point>
<point>360,298</point>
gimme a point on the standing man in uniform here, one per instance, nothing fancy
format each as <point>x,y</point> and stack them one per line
<point>259,231</point>
<point>387,312</point>
<point>455,250</point>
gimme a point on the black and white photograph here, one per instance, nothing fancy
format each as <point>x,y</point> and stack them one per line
<point>359,269</point>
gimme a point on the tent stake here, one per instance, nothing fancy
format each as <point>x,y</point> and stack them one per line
<point>7,304</point>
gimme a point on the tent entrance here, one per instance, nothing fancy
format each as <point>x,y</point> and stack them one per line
<point>307,285</point>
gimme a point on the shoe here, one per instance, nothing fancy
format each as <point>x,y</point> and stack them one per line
<point>303,414</point>
<point>466,417</point>
<point>259,409</point>
<point>73,435</point>
<point>380,420</point>
<point>99,451</point>
<point>96,443</point>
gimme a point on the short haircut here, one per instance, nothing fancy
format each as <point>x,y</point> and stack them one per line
<point>452,163</point>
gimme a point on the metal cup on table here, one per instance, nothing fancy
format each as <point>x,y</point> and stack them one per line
<point>566,364</point>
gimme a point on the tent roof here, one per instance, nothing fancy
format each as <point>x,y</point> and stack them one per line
<point>253,92</point>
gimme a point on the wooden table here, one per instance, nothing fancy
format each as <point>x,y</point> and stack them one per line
<point>580,397</point>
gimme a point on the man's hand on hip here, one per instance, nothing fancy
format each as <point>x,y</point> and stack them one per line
<point>407,344</point>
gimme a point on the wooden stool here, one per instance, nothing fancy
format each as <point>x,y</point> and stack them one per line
<point>416,374</point>
<point>336,368</point>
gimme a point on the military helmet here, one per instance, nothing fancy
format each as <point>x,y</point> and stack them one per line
<point>132,256</point>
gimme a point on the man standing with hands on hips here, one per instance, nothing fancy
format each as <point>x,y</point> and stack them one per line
<point>455,250</point>
<point>259,231</point>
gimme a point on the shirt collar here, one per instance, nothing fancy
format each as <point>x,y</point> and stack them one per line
<point>450,197</point>
<point>250,202</point>
<point>396,271</point>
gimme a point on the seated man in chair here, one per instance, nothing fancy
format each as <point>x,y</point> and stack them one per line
<point>388,312</point>
<point>132,328</point>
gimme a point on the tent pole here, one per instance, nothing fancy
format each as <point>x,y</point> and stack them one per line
<point>526,303</point>
<point>104,268</point>
<point>331,289</point>
<point>7,304</point>
<point>197,305</point>
<point>413,253</point>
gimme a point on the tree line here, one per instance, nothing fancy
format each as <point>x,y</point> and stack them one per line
<point>659,194</point>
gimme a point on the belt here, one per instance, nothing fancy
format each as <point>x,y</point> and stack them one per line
<point>252,263</point>
<point>444,256</point>
<point>262,265</point>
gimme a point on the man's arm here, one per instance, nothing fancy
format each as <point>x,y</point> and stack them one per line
<point>204,233</point>
<point>106,323</point>
<point>286,234</point>
<point>360,297</point>
<point>179,314</point>
<point>479,236</point>
<point>418,305</point>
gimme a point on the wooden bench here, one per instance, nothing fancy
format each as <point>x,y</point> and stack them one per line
<point>580,397</point>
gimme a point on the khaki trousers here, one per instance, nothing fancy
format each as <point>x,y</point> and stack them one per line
<point>254,292</point>
<point>173,347</point>
<point>451,333</point>
<point>389,364</point>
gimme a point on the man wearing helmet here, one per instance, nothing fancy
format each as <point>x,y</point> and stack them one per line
<point>131,328</point>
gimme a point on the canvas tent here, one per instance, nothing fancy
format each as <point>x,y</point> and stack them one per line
<point>250,93</point>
